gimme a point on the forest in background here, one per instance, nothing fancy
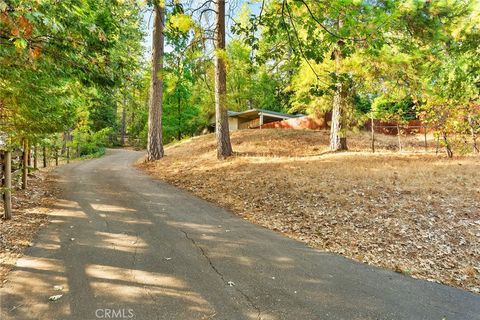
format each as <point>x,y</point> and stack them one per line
<point>74,74</point>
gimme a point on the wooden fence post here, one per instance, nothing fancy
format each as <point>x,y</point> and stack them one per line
<point>68,154</point>
<point>7,196</point>
<point>25,164</point>
<point>425,137</point>
<point>44,156</point>
<point>399,141</point>
<point>56,156</point>
<point>373,134</point>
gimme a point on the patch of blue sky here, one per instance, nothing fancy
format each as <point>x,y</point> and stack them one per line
<point>233,8</point>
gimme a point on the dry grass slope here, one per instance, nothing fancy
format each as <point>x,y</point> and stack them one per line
<point>412,212</point>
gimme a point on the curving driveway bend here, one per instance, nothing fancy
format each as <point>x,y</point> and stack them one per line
<point>122,245</point>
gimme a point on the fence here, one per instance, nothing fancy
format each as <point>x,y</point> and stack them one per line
<point>16,164</point>
<point>413,127</point>
<point>412,134</point>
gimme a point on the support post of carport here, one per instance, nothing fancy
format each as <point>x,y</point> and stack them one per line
<point>261,120</point>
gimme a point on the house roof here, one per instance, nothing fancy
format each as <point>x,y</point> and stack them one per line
<point>251,112</point>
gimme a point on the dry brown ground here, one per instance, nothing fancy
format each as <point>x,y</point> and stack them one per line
<point>29,215</point>
<point>414,213</point>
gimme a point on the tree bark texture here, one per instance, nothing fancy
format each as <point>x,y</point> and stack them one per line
<point>338,140</point>
<point>154,143</point>
<point>26,156</point>
<point>8,185</point>
<point>224,146</point>
<point>44,156</point>
<point>35,157</point>
<point>448,148</point>
<point>124,119</point>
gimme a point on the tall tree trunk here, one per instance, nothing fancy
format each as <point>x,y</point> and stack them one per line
<point>338,140</point>
<point>224,147</point>
<point>35,156</point>
<point>44,156</point>
<point>124,118</point>
<point>25,164</point>
<point>7,196</point>
<point>29,157</point>
<point>179,110</point>
<point>154,143</point>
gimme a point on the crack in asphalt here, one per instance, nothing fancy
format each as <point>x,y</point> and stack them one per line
<point>134,260</point>
<point>214,268</point>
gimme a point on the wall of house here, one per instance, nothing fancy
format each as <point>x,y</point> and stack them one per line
<point>232,123</point>
<point>314,123</point>
<point>299,123</point>
<point>249,124</point>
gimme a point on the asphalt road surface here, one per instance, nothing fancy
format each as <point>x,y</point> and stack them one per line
<point>122,245</point>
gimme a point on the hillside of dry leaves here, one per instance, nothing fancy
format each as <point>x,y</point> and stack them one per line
<point>29,215</point>
<point>413,212</point>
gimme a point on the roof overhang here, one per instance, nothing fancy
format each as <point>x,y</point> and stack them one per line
<point>255,113</point>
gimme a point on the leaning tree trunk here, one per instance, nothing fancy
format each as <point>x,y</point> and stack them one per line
<point>154,143</point>
<point>224,147</point>
<point>448,148</point>
<point>338,141</point>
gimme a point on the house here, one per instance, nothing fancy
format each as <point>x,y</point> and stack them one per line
<point>3,140</point>
<point>256,118</point>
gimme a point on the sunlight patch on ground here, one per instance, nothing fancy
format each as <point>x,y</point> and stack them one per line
<point>137,276</point>
<point>39,263</point>
<point>48,245</point>
<point>202,228</point>
<point>110,208</point>
<point>121,241</point>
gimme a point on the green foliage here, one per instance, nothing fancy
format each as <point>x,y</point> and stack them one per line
<point>402,110</point>
<point>62,64</point>
<point>75,68</point>
<point>362,103</point>
<point>249,85</point>
<point>93,143</point>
